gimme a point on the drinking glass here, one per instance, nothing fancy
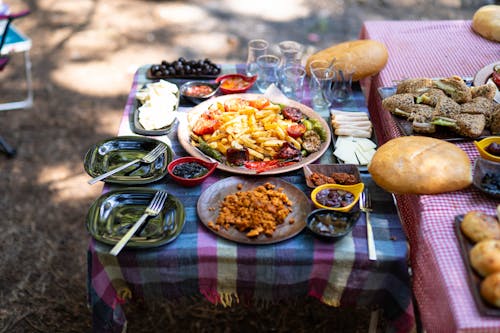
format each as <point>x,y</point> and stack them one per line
<point>291,54</point>
<point>342,84</point>
<point>267,73</point>
<point>322,76</point>
<point>292,81</point>
<point>256,48</point>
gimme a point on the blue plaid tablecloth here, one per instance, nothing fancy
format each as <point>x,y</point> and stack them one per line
<point>200,263</point>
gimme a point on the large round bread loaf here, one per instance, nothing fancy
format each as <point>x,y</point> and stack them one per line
<point>420,165</point>
<point>486,22</point>
<point>368,57</point>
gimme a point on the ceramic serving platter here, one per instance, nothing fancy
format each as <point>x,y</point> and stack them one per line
<point>114,213</point>
<point>208,208</point>
<point>111,153</point>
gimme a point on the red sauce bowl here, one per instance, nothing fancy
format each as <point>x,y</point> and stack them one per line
<point>235,83</point>
<point>188,182</point>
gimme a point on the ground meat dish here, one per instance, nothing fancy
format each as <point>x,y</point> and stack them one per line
<point>335,178</point>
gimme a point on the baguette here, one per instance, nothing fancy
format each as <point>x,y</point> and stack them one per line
<point>368,57</point>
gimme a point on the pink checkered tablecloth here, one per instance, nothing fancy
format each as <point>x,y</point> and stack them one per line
<point>440,285</point>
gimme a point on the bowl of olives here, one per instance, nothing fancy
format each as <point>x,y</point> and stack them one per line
<point>190,171</point>
<point>331,225</point>
<point>486,177</point>
<point>489,148</point>
<point>182,68</point>
<point>337,197</point>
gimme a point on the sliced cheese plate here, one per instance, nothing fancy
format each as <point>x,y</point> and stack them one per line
<point>349,148</point>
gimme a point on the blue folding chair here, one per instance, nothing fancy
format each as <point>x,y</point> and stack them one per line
<point>13,41</point>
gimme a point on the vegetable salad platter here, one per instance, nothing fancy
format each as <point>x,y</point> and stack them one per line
<point>249,134</point>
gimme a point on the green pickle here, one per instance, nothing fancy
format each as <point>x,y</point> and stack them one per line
<point>204,147</point>
<point>316,127</point>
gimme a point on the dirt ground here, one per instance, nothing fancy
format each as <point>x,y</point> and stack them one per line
<point>84,55</point>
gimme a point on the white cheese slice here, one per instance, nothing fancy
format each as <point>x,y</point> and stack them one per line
<point>366,144</point>
<point>361,158</point>
<point>345,150</point>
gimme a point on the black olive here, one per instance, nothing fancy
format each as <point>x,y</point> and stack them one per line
<point>164,62</point>
<point>493,148</point>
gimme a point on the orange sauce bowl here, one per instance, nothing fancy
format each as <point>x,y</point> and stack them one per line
<point>235,83</point>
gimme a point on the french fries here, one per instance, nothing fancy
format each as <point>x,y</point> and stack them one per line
<point>262,131</point>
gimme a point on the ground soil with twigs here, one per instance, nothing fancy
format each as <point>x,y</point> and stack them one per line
<point>84,55</point>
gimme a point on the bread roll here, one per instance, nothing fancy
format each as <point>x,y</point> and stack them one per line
<point>479,226</point>
<point>485,257</point>
<point>368,57</point>
<point>420,165</point>
<point>486,22</point>
<point>490,289</point>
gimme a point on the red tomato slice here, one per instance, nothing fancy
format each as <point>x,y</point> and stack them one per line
<point>235,104</point>
<point>259,103</point>
<point>496,78</point>
<point>206,126</point>
<point>262,166</point>
<point>296,131</point>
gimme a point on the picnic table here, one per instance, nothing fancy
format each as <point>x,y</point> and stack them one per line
<point>440,282</point>
<point>199,262</point>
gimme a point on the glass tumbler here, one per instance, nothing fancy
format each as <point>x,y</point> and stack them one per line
<point>342,84</point>
<point>292,81</point>
<point>291,54</point>
<point>267,72</point>
<point>256,48</point>
<point>322,76</point>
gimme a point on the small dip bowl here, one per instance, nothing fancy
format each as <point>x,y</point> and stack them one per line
<point>337,197</point>
<point>486,177</point>
<point>235,83</point>
<point>331,225</point>
<point>190,171</point>
<point>482,148</point>
<point>198,91</point>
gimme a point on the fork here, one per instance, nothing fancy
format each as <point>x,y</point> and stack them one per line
<point>148,158</point>
<point>365,205</point>
<point>153,209</point>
